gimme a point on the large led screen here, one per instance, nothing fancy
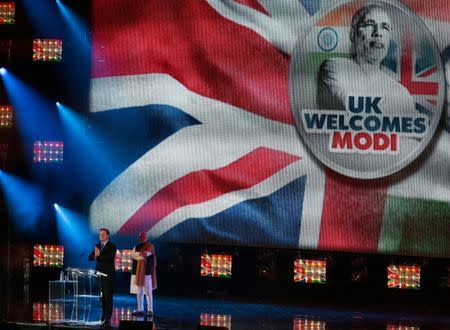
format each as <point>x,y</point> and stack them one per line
<point>317,125</point>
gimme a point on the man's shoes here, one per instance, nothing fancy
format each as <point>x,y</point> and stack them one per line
<point>150,314</point>
<point>106,324</point>
<point>138,313</point>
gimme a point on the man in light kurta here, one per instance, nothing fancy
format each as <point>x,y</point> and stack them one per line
<point>143,278</point>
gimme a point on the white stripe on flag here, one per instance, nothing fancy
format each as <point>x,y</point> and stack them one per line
<point>226,134</point>
<point>281,28</point>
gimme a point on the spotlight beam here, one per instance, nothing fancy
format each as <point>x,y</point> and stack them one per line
<point>76,25</point>
<point>35,118</point>
<point>74,233</point>
<point>25,201</point>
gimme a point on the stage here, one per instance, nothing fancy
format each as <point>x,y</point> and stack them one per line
<point>266,164</point>
<point>188,313</point>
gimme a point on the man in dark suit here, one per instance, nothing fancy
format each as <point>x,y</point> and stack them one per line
<point>104,254</point>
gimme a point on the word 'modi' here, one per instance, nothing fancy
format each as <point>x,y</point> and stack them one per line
<point>362,127</point>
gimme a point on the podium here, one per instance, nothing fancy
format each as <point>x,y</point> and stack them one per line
<point>76,296</point>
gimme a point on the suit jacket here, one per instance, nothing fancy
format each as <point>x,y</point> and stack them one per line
<point>105,261</point>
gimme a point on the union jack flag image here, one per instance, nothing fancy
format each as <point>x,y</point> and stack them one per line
<point>193,98</point>
<point>416,70</point>
<point>403,276</point>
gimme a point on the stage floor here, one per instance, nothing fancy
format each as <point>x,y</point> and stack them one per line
<point>188,313</point>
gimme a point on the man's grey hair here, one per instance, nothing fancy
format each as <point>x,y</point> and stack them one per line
<point>358,18</point>
<point>362,12</point>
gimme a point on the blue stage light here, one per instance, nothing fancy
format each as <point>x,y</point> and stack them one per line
<point>36,118</point>
<point>2,71</point>
<point>74,233</point>
<point>25,201</point>
<point>77,27</point>
<point>91,162</point>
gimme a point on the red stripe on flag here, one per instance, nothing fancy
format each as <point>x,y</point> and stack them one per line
<point>433,102</point>
<point>352,213</point>
<point>428,72</point>
<point>204,185</point>
<point>192,42</point>
<point>255,5</point>
<point>407,72</point>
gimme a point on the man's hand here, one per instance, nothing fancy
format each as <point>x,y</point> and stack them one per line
<point>96,251</point>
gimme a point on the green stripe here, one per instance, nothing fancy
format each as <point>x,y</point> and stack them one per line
<point>415,227</point>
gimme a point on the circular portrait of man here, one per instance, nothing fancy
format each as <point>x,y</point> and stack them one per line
<point>367,87</point>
